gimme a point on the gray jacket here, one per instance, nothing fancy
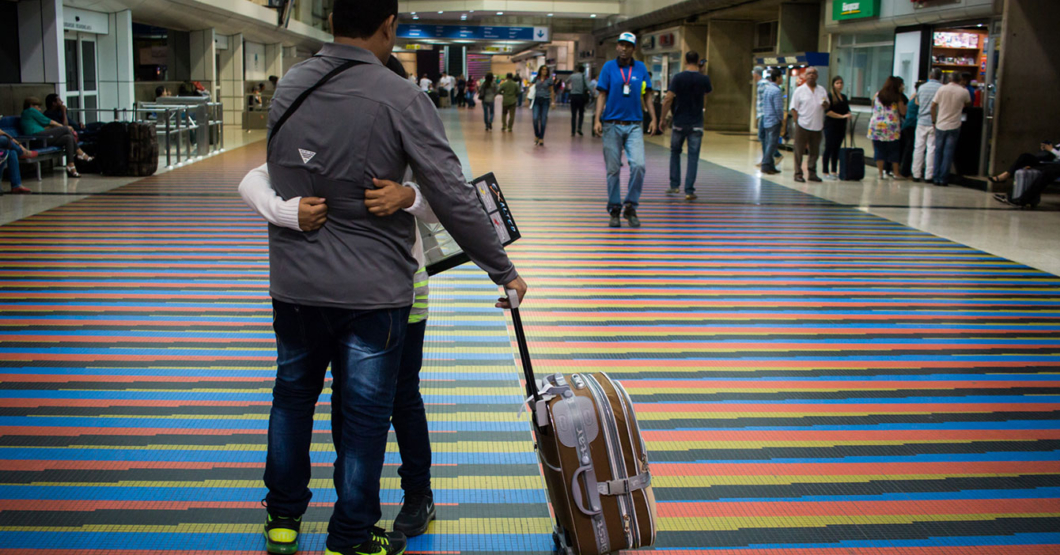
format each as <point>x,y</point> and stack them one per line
<point>366,122</point>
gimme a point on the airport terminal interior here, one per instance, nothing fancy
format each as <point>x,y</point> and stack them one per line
<point>836,365</point>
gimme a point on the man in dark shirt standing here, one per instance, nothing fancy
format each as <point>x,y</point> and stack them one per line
<point>687,90</point>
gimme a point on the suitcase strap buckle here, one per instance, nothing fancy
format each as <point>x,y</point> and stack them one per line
<point>626,486</point>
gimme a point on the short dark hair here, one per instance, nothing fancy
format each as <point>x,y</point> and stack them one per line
<point>775,74</point>
<point>966,77</point>
<point>692,57</point>
<point>936,73</point>
<point>273,78</point>
<point>360,19</point>
<point>510,76</point>
<point>159,91</point>
<point>50,100</point>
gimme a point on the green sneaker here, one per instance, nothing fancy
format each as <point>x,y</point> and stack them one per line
<point>379,542</point>
<point>281,534</point>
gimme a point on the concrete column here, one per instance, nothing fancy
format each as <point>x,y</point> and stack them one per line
<point>40,42</point>
<point>799,28</point>
<point>230,74</point>
<point>203,59</point>
<point>730,47</point>
<point>274,60</point>
<point>693,37</point>
<point>116,74</point>
<point>178,44</point>
<point>1026,108</point>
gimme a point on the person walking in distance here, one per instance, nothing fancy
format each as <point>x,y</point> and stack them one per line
<point>924,142</point>
<point>808,106</point>
<point>774,120</point>
<point>488,95</point>
<point>946,109</point>
<point>543,101</point>
<point>509,91</point>
<point>618,118</point>
<point>579,99</point>
<point>686,94</point>
<point>344,293</point>
<point>835,127</point>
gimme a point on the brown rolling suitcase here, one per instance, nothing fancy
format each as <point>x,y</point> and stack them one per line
<point>593,459</point>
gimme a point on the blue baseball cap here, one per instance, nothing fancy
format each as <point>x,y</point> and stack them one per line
<point>628,37</point>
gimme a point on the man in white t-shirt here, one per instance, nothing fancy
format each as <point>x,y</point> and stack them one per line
<point>445,84</point>
<point>946,109</point>
<point>426,83</point>
<point>808,106</point>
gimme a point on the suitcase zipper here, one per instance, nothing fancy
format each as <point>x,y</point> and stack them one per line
<point>631,416</point>
<point>614,447</point>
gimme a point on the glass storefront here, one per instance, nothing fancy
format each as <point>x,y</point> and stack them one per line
<point>865,62</point>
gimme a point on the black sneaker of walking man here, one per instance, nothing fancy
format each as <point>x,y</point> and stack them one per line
<point>379,542</point>
<point>416,514</point>
<point>631,215</point>
<point>616,218</point>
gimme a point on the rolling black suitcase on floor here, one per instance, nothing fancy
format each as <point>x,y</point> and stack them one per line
<point>112,151</point>
<point>852,160</point>
<point>593,459</point>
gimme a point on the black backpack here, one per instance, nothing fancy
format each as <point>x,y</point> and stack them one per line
<point>112,149</point>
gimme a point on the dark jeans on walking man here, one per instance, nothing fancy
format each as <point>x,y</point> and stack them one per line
<point>806,139</point>
<point>577,113</point>
<point>945,149</point>
<point>364,377</point>
<point>762,139</point>
<point>770,146</point>
<point>508,117</point>
<point>677,142</point>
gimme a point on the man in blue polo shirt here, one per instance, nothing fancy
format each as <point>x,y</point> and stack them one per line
<point>619,118</point>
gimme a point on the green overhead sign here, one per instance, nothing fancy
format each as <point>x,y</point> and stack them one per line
<point>855,9</point>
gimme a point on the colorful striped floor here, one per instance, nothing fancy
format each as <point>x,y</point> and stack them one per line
<point>811,379</point>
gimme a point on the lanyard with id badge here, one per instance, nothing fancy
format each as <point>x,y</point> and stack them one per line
<point>626,89</point>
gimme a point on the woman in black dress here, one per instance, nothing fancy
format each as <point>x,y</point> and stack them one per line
<point>835,127</point>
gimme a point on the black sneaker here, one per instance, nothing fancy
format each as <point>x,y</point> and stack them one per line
<point>379,542</point>
<point>631,215</point>
<point>616,218</point>
<point>416,514</point>
<point>281,534</point>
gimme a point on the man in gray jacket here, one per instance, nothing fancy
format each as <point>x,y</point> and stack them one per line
<point>343,293</point>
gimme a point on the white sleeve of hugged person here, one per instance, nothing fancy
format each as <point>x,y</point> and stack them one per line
<point>257,192</point>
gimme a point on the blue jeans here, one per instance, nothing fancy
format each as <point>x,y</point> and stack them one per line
<point>945,148</point>
<point>762,139</point>
<point>409,419</point>
<point>770,147</point>
<point>541,107</point>
<point>616,139</point>
<point>7,146</point>
<point>488,111</point>
<point>677,142</point>
<point>364,349</point>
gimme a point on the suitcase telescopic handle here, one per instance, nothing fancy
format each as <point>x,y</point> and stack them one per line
<point>524,349</point>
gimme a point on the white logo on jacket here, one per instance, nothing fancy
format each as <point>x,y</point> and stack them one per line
<point>307,155</point>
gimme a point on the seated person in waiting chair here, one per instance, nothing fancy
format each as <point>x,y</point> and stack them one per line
<point>10,153</point>
<point>1046,161</point>
<point>1046,153</point>
<point>36,124</point>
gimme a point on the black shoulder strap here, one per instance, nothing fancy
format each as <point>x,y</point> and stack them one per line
<point>305,94</point>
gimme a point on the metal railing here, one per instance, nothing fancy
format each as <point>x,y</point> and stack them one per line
<point>176,122</point>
